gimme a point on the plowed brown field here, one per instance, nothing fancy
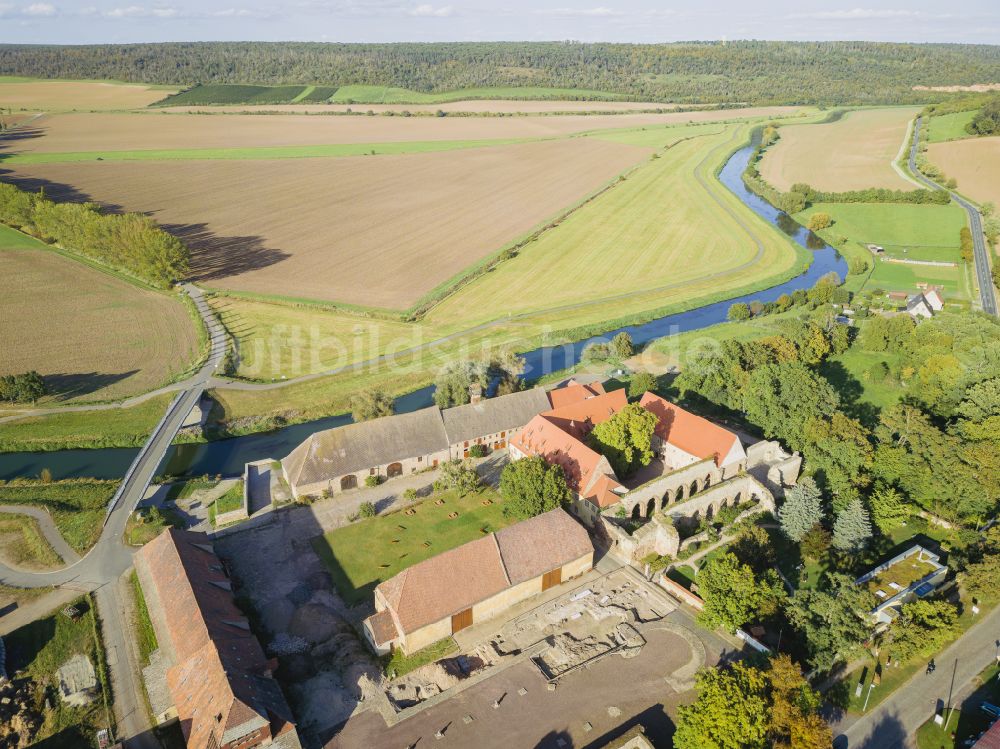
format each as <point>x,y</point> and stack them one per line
<point>61,96</point>
<point>974,162</point>
<point>148,131</point>
<point>93,336</point>
<point>852,153</point>
<point>376,231</point>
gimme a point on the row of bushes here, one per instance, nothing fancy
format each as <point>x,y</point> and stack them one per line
<point>128,242</point>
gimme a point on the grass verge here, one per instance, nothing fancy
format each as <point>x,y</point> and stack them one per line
<point>77,506</point>
<point>22,543</point>
<point>142,626</point>
<point>397,663</point>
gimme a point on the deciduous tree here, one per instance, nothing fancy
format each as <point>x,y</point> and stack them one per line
<point>734,595</point>
<point>833,619</point>
<point>371,404</point>
<point>626,439</point>
<point>531,486</point>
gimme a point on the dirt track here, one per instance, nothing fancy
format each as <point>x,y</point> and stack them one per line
<point>853,153</point>
<point>974,162</point>
<point>146,131</point>
<point>377,231</point>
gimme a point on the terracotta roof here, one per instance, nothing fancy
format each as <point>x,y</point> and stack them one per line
<point>493,415</point>
<point>382,627</point>
<point>458,579</point>
<point>221,681</point>
<point>445,584</point>
<point>581,464</point>
<point>580,417</point>
<point>543,543</point>
<point>358,447</point>
<point>573,392</point>
<point>689,432</point>
<point>602,492</point>
<point>990,739</point>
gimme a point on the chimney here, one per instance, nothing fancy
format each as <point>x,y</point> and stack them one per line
<point>475,392</point>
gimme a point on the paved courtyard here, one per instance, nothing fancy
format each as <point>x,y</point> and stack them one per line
<point>586,707</point>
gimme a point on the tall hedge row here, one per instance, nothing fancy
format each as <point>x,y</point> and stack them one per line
<point>130,242</point>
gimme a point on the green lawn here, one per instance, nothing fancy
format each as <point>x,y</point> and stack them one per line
<point>184,489</point>
<point>948,126</point>
<point>145,636</point>
<point>77,505</point>
<point>906,231</point>
<point>140,531</point>
<point>261,152</point>
<point>397,663</point>
<point>24,545</point>
<point>363,554</point>
<point>38,650</point>
<point>231,500</point>
<point>851,375</point>
<point>115,427</point>
<point>360,94</point>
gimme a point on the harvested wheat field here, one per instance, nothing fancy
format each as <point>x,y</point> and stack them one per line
<point>152,131</point>
<point>92,335</point>
<point>852,153</point>
<point>62,96</point>
<point>376,231</point>
<point>974,163</point>
<point>479,106</point>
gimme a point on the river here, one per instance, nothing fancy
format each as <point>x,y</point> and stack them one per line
<point>227,457</point>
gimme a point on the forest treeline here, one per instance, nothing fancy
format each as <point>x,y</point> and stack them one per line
<point>129,242</point>
<point>746,71</point>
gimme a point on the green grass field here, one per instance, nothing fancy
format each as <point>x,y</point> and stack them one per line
<point>657,136</point>
<point>363,554</point>
<point>142,626</point>
<point>77,506</point>
<point>39,649</point>
<point>906,231</point>
<point>231,500</point>
<point>115,427</point>
<point>358,94</point>
<point>948,126</point>
<point>635,244</point>
<point>262,152</point>
<point>24,545</point>
<point>224,93</point>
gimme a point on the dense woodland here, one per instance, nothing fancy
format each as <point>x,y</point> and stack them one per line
<point>745,71</point>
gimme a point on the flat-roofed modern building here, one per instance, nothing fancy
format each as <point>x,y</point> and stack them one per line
<point>915,573</point>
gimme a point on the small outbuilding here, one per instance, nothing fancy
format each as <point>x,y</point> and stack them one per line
<point>477,581</point>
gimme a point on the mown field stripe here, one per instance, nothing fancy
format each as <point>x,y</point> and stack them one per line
<point>303,94</point>
<point>261,152</point>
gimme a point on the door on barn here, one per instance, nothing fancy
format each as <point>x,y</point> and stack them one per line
<point>394,469</point>
<point>461,620</point>
<point>552,579</point>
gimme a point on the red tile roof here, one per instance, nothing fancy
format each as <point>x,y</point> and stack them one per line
<point>221,681</point>
<point>990,739</point>
<point>455,580</point>
<point>692,434</point>
<point>573,392</point>
<point>580,417</point>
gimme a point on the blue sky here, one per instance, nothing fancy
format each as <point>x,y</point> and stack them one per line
<point>91,21</point>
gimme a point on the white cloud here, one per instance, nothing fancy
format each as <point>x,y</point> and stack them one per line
<point>140,11</point>
<point>598,12</point>
<point>40,10</point>
<point>868,14</point>
<point>429,11</point>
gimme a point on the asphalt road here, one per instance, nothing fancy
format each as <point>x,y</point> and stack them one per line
<point>981,254</point>
<point>100,569</point>
<point>892,724</point>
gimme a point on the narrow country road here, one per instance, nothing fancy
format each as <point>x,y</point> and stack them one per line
<point>101,568</point>
<point>893,722</point>
<point>981,254</point>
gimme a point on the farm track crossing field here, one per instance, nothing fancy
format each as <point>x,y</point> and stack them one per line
<point>61,96</point>
<point>974,163</point>
<point>852,153</point>
<point>148,131</point>
<point>377,232</point>
<point>92,335</point>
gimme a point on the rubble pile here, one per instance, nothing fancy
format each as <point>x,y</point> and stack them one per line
<point>19,719</point>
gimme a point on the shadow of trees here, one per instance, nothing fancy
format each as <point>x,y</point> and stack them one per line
<point>65,386</point>
<point>888,733</point>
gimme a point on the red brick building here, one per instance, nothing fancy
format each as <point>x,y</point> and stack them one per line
<point>218,677</point>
